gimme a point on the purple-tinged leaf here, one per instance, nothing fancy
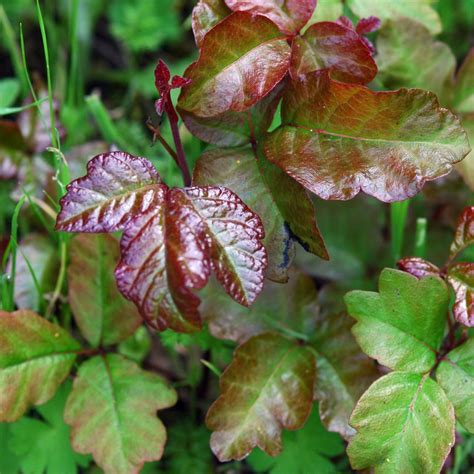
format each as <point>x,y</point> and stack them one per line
<point>461,278</point>
<point>242,59</point>
<point>117,187</point>
<point>289,15</point>
<point>206,15</point>
<point>418,267</point>
<point>331,46</point>
<point>368,25</point>
<point>464,232</point>
<point>339,139</point>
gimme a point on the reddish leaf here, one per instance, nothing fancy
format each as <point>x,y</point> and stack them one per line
<point>117,187</point>
<point>345,21</point>
<point>418,267</point>
<point>289,15</point>
<point>328,45</point>
<point>461,278</point>
<point>242,59</point>
<point>338,139</point>
<point>267,387</point>
<point>464,232</point>
<point>368,25</point>
<point>206,14</point>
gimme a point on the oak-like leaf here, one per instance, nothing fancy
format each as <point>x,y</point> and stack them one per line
<point>402,325</point>
<point>418,267</point>
<point>338,139</point>
<point>242,59</point>
<point>329,45</point>
<point>103,315</point>
<point>289,15</point>
<point>35,358</point>
<point>117,187</point>
<point>405,423</point>
<point>267,387</point>
<point>464,235</point>
<point>112,413</point>
<point>461,278</point>
<point>455,374</point>
<point>206,14</point>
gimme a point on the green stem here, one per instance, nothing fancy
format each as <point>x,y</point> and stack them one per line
<point>420,237</point>
<point>398,217</point>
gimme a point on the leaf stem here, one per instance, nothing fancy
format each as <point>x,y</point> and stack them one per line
<point>158,136</point>
<point>398,217</point>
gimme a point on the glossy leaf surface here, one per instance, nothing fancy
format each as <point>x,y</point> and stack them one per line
<point>117,186</point>
<point>466,167</point>
<point>260,185</point>
<point>112,412</point>
<point>405,423</point>
<point>329,45</point>
<point>338,139</point>
<point>206,15</point>
<point>103,315</point>
<point>289,15</point>
<point>456,375</point>
<point>242,59</point>
<point>461,278</point>
<point>267,387</point>
<point>402,325</point>
<point>464,235</point>
<point>35,358</point>
<point>418,267</point>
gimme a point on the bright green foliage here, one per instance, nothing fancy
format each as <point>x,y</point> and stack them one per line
<point>326,10</point>
<point>464,92</point>
<point>402,325</point>
<point>405,424</point>
<point>306,451</point>
<point>112,412</point>
<point>137,346</point>
<point>9,90</point>
<point>43,445</point>
<point>9,462</point>
<point>35,357</point>
<point>456,375</point>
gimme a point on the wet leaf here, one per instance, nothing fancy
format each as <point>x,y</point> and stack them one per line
<point>289,15</point>
<point>338,139</point>
<point>455,374</point>
<point>331,46</point>
<point>464,232</point>
<point>242,59</point>
<point>267,387</point>
<point>402,325</point>
<point>206,15</point>
<point>103,315</point>
<point>461,278</point>
<point>405,423</point>
<point>112,413</point>
<point>418,267</point>
<point>35,358</point>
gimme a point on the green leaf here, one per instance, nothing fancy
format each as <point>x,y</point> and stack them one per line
<point>402,325</point>
<point>464,88</point>
<point>326,10</point>
<point>112,413</point>
<point>9,90</point>
<point>9,461</point>
<point>103,315</point>
<point>259,184</point>
<point>137,346</point>
<point>405,423</point>
<point>455,374</point>
<point>35,358</point>
<point>408,56</point>
<point>267,387</point>
<point>420,10</point>
<point>43,446</point>
<point>466,167</point>
<point>305,451</point>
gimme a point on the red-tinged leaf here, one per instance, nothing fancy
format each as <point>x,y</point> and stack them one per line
<point>464,232</point>
<point>170,250</point>
<point>112,412</point>
<point>242,59</point>
<point>206,14</point>
<point>368,25</point>
<point>461,278</point>
<point>339,139</point>
<point>289,15</point>
<point>345,21</point>
<point>103,315</point>
<point>117,187</point>
<point>162,77</point>
<point>287,216</point>
<point>267,387</point>
<point>418,267</point>
<point>35,358</point>
<point>329,45</point>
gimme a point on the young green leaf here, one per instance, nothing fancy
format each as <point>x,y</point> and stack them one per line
<point>461,278</point>
<point>466,167</point>
<point>259,184</point>
<point>405,423</point>
<point>9,461</point>
<point>338,139</point>
<point>267,387</point>
<point>331,46</point>
<point>112,413</point>
<point>242,59</point>
<point>464,88</point>
<point>418,267</point>
<point>402,325</point>
<point>289,15</point>
<point>103,315</point>
<point>206,15</point>
<point>455,374</point>
<point>35,358</point>
<point>464,235</point>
